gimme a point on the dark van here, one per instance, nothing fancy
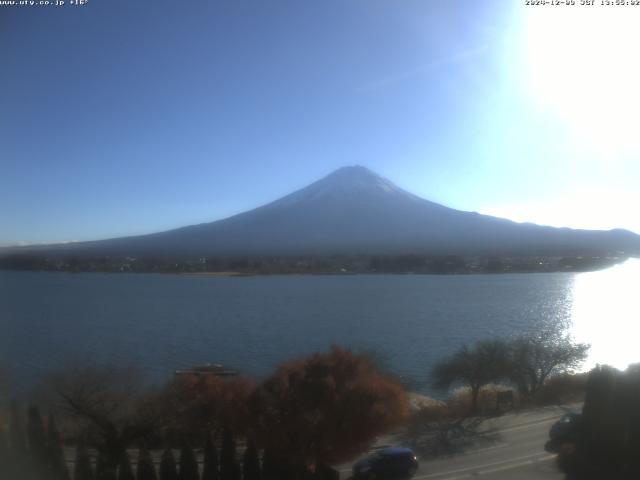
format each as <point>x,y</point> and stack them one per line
<point>387,463</point>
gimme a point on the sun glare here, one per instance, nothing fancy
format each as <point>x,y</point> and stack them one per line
<point>606,313</point>
<point>582,64</point>
<point>594,209</point>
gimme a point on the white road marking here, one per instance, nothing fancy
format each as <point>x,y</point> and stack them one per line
<point>521,464</point>
<point>478,469</point>
<point>472,451</point>
<point>526,425</point>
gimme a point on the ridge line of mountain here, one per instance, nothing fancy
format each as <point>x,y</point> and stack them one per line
<point>352,211</point>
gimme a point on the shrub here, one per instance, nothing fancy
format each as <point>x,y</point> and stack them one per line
<point>563,389</point>
<point>210,469</point>
<point>146,470</point>
<point>188,464</point>
<point>55,452</point>
<point>36,437</point>
<point>251,463</point>
<point>460,403</point>
<point>125,472</point>
<point>168,469</point>
<point>229,468</point>
<point>82,468</point>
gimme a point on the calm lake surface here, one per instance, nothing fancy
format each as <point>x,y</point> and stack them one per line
<point>166,322</point>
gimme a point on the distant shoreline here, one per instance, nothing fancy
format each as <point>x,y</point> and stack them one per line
<point>215,274</point>
<point>240,274</point>
<point>344,264</point>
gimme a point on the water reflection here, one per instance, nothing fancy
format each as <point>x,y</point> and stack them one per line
<point>606,314</point>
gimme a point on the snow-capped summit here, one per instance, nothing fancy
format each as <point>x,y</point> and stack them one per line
<point>345,184</point>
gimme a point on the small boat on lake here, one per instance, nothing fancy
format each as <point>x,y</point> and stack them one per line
<point>215,369</point>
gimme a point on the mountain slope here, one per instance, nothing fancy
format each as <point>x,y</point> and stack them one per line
<point>353,210</point>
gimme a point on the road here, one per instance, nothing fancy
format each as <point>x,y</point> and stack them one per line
<point>516,452</point>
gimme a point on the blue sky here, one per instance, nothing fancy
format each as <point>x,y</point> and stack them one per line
<point>126,117</point>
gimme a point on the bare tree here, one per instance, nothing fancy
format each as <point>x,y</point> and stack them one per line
<point>111,404</point>
<point>475,367</point>
<point>536,356</point>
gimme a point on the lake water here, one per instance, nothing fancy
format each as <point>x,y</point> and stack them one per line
<point>166,322</point>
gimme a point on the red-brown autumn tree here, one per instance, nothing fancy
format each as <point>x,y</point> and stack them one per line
<point>326,408</point>
<point>202,403</point>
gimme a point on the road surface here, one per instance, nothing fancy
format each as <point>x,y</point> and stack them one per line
<point>516,452</point>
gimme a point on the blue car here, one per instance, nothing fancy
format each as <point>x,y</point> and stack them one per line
<point>566,429</point>
<point>387,463</point>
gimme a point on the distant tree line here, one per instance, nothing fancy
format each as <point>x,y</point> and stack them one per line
<point>307,264</point>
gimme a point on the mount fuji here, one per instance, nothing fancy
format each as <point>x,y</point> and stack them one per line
<point>355,211</point>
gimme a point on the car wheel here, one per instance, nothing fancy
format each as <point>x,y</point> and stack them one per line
<point>412,471</point>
